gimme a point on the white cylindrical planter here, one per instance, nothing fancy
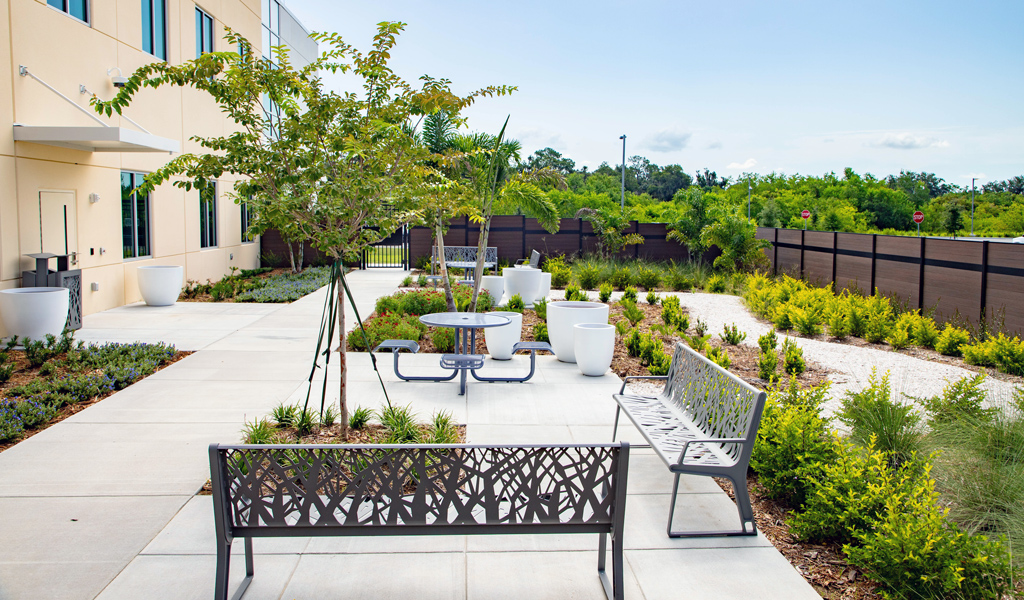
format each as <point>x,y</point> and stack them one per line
<point>522,281</point>
<point>594,345</point>
<point>561,318</point>
<point>160,284</point>
<point>495,286</point>
<point>545,286</point>
<point>500,339</point>
<point>34,312</point>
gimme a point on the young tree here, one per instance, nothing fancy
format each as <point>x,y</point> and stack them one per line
<point>345,167</point>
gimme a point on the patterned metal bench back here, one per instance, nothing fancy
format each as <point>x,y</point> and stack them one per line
<point>467,254</point>
<point>360,486</point>
<point>716,401</point>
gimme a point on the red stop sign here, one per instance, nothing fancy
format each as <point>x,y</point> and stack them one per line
<point>807,214</point>
<point>918,216</point>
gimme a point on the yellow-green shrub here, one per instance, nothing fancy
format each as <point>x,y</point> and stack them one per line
<point>951,340</point>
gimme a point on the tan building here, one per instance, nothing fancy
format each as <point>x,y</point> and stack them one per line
<point>66,174</point>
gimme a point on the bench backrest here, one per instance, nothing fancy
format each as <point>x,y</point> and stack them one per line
<point>467,254</point>
<point>717,402</point>
<point>457,487</point>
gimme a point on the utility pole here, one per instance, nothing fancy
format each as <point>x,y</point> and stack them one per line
<point>622,200</point>
<point>973,179</point>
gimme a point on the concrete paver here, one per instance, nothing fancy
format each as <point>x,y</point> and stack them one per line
<point>129,467</point>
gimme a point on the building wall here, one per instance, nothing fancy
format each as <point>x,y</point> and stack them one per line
<point>67,53</point>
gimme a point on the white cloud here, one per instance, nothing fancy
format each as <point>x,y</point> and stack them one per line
<point>714,146</point>
<point>539,138</point>
<point>908,141</point>
<point>667,141</point>
<point>747,164</point>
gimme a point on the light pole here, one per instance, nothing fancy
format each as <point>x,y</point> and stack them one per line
<point>622,199</point>
<point>748,198</point>
<point>973,179</point>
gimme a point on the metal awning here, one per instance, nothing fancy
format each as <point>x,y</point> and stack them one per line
<point>96,139</point>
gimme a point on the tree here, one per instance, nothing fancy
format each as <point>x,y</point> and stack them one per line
<point>548,158</point>
<point>770,215</point>
<point>608,225</point>
<point>953,220</point>
<point>736,237</point>
<point>667,181</point>
<point>709,179</point>
<point>694,216</point>
<point>347,168</point>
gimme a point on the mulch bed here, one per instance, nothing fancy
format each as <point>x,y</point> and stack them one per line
<point>208,298</point>
<point>25,373</point>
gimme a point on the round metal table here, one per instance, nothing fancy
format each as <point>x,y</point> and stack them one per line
<point>467,323</point>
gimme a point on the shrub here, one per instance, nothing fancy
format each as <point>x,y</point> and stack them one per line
<point>306,421</point>
<point>286,287</point>
<point>1008,354</point>
<point>793,443</point>
<point>516,304</point>
<point>876,420</point>
<point>732,335</point>
<point>679,281</point>
<point>807,322</point>
<point>629,294</point>
<point>622,327</point>
<point>605,293</point>
<point>621,278</point>
<point>37,352</point>
<point>588,275</point>
<point>898,338</point>
<point>388,326</point>
<point>698,342</point>
<point>792,358</point>
<point>925,333</point>
<point>715,284</point>
<point>632,343</point>
<point>443,429</point>
<point>652,298</point>
<point>847,496</point>
<point>329,416</point>
<point>838,325</point>
<point>400,423</point>
<point>540,332</point>
<point>767,363</point>
<point>719,356</point>
<point>6,370</point>
<point>951,340</point>
<point>284,414</point>
<point>541,308</point>
<point>647,278</point>
<point>422,281</point>
<point>36,412</point>
<point>672,314</point>
<point>768,341</point>
<point>443,339</point>
<point>632,312</point>
<point>360,417</point>
<point>916,552</point>
<point>959,400</point>
<point>560,276</point>
<point>260,431</point>
<point>652,354</point>
<point>700,327</point>
<point>407,281</point>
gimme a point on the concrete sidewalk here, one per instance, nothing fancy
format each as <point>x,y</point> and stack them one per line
<point>104,505</point>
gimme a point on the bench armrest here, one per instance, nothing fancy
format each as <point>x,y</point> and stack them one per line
<point>629,378</point>
<point>682,453</point>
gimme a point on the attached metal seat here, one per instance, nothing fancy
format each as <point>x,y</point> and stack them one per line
<point>462,361</point>
<point>396,346</point>
<point>533,348</point>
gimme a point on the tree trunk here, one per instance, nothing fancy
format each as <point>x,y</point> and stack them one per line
<point>481,250</point>
<point>342,361</point>
<point>291,256</point>
<point>443,268</point>
<point>302,256</point>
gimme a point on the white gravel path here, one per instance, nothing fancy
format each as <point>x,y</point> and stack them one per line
<point>851,365</point>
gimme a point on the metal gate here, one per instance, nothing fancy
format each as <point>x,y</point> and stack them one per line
<point>391,252</point>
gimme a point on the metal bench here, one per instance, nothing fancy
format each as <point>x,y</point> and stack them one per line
<point>534,261</point>
<point>340,490</point>
<point>704,422</point>
<point>395,346</point>
<point>464,257</point>
<point>533,348</point>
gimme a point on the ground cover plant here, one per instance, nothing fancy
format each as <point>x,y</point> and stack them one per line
<point>51,379</point>
<point>795,305</point>
<point>913,522</point>
<point>396,317</point>
<point>258,285</point>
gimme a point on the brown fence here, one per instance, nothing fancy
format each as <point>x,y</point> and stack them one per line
<point>516,236</point>
<point>973,278</point>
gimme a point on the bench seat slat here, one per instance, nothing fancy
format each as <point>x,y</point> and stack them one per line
<point>668,431</point>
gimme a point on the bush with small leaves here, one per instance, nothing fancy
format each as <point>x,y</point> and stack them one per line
<point>540,332</point>
<point>621,278</point>
<point>37,411</point>
<point>768,341</point>
<point>697,342</point>
<point>422,281</point>
<point>443,338</point>
<point>719,356</point>
<point>560,276</point>
<point>898,338</point>
<point>951,341</point>
<point>925,333</point>
<point>632,312</point>
<point>407,281</point>
<point>604,294</point>
<point>11,426</point>
<point>807,322</point>
<point>6,371</point>
<point>792,358</point>
<point>732,335</point>
<point>960,400</point>
<point>629,294</point>
<point>767,363</point>
<point>877,420</point>
<point>588,274</point>
<point>716,284</point>
<point>632,342</point>
<point>359,417</point>
<point>678,281</point>
<point>571,291</point>
<point>838,325</point>
<point>700,327</point>
<point>652,298</point>
<point>516,303</point>
<point>672,314</point>
<point>541,308</point>
<point>647,278</point>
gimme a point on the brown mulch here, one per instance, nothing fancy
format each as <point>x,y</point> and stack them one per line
<point>25,373</point>
<point>184,297</point>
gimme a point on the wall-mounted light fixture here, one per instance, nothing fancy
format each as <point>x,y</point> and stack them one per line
<point>95,286</point>
<point>118,80</point>
<point>94,198</point>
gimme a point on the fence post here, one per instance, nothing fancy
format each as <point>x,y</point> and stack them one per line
<point>984,278</point>
<point>775,253</point>
<point>803,235</point>
<point>920,277</point>
<point>874,246</point>
<point>636,247</point>
<point>579,234</point>
<point>835,246</point>
<point>522,228</point>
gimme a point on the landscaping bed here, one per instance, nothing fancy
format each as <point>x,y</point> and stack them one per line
<point>258,285</point>
<point>50,381</point>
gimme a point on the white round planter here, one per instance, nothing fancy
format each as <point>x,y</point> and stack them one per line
<point>500,339</point>
<point>494,285</point>
<point>561,318</point>
<point>160,284</point>
<point>545,286</point>
<point>594,345</point>
<point>522,281</point>
<point>34,312</point>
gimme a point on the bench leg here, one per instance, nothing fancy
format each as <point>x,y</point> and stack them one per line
<point>533,367</point>
<point>739,489</point>
<point>420,378</point>
<point>613,588</point>
<point>742,505</point>
<point>615,428</point>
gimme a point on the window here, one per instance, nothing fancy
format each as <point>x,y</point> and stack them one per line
<point>271,28</point>
<point>204,33</point>
<point>208,215</point>
<point>246,221</point>
<point>78,9</point>
<point>154,27</point>
<point>134,217</point>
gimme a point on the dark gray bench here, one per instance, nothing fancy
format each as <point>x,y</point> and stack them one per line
<point>704,422</point>
<point>339,490</point>
<point>396,346</point>
<point>464,257</point>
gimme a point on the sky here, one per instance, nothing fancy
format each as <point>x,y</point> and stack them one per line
<point>732,86</point>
